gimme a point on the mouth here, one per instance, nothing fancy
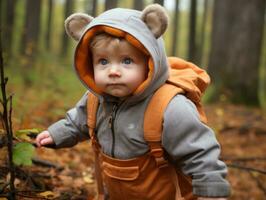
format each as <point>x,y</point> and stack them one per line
<point>115,84</point>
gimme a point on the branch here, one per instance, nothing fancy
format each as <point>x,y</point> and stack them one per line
<point>7,123</point>
<point>31,197</point>
<point>243,159</point>
<point>10,97</point>
<point>247,168</point>
<point>259,184</point>
<point>4,187</point>
<point>46,163</point>
<point>10,147</point>
<point>2,120</point>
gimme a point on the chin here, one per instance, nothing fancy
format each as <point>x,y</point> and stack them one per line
<point>118,94</point>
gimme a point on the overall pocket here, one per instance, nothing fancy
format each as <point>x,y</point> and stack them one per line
<point>120,173</point>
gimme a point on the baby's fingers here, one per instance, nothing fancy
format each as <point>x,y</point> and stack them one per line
<point>46,141</point>
<point>43,135</point>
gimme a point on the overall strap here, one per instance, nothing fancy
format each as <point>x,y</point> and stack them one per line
<point>153,120</point>
<point>92,107</point>
<point>153,127</point>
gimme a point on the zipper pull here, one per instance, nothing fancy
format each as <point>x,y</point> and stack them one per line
<point>110,121</point>
<point>112,115</point>
<point>114,108</point>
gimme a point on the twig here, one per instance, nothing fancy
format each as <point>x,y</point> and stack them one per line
<point>7,123</point>
<point>10,97</point>
<point>2,120</point>
<point>10,151</point>
<point>29,196</point>
<point>46,163</point>
<point>243,159</point>
<point>259,184</point>
<point>4,187</point>
<point>246,168</point>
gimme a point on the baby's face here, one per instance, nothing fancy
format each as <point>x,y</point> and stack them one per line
<point>119,69</point>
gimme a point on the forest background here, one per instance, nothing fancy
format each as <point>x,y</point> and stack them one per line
<point>226,38</point>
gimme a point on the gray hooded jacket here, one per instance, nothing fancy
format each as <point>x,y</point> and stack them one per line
<point>190,143</point>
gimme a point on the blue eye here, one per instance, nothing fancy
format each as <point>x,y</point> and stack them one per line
<point>127,61</point>
<point>103,61</point>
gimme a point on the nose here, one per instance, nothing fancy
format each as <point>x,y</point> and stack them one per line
<point>114,71</point>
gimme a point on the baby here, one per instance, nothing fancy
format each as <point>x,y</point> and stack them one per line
<point>120,58</point>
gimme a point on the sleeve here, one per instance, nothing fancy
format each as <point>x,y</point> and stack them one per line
<point>73,129</point>
<point>194,148</point>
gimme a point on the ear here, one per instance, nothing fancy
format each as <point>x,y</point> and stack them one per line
<point>75,24</point>
<point>156,18</point>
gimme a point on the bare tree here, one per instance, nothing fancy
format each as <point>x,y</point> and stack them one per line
<point>203,32</point>
<point>30,33</point>
<point>236,48</point>
<point>109,4</point>
<point>69,4</point>
<point>94,8</point>
<point>192,31</point>
<point>91,7</point>
<point>9,24</point>
<point>138,4</point>
<point>49,23</point>
<point>175,28</point>
<point>5,118</point>
<point>161,2</point>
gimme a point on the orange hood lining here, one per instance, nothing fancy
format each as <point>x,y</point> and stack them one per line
<point>83,59</point>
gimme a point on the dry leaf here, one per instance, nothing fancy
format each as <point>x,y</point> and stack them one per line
<point>88,179</point>
<point>219,112</point>
<point>48,194</point>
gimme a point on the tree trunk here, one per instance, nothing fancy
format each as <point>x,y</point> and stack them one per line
<point>175,29</point>
<point>161,2</point>
<point>138,4</point>
<point>236,48</point>
<point>109,4</point>
<point>2,13</point>
<point>69,4</point>
<point>192,31</point>
<point>9,23</point>
<point>202,32</point>
<point>30,34</point>
<point>91,7</point>
<point>49,24</point>
<point>94,8</point>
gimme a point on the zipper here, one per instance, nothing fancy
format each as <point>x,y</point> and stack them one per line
<point>111,125</point>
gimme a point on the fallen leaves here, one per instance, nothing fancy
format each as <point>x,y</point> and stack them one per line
<point>240,132</point>
<point>23,153</point>
<point>49,195</point>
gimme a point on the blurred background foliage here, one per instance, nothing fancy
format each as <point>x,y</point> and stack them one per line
<point>226,38</point>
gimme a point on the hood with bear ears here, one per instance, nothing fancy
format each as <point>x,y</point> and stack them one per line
<point>142,29</point>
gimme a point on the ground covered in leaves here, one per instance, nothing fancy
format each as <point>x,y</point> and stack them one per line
<point>68,173</point>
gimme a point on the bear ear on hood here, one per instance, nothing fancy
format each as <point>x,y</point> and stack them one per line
<point>156,19</point>
<point>75,24</point>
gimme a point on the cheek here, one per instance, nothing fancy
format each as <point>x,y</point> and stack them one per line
<point>138,77</point>
<point>98,78</point>
<point>142,74</point>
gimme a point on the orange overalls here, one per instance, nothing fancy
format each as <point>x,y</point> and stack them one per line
<point>150,176</point>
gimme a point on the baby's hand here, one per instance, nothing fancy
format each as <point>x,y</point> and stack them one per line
<point>211,198</point>
<point>44,139</point>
